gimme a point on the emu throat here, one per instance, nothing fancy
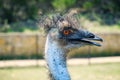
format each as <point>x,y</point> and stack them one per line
<point>56,59</point>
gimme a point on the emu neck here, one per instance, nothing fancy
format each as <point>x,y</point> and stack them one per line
<point>56,60</point>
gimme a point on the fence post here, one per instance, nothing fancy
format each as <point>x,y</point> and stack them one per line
<point>37,47</point>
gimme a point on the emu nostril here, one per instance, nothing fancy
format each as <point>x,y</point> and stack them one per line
<point>91,36</point>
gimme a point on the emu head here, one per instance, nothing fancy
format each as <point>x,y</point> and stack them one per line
<point>67,32</point>
<point>63,33</point>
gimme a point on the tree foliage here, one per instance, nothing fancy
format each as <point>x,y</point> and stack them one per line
<point>16,10</point>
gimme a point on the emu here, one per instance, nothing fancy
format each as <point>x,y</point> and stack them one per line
<point>63,33</point>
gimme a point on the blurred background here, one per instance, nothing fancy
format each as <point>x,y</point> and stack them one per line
<point>22,42</point>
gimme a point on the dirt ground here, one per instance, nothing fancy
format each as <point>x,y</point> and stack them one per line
<point>75,61</point>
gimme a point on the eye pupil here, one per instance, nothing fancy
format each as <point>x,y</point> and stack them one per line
<point>66,32</point>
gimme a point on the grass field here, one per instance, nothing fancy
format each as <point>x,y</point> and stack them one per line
<point>109,71</point>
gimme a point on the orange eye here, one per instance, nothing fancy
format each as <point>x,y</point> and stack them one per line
<point>66,32</point>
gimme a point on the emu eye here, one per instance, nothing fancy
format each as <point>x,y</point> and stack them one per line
<point>67,32</point>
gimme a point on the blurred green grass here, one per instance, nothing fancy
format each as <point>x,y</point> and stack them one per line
<point>109,71</point>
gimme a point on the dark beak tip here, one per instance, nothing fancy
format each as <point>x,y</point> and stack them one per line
<point>101,40</point>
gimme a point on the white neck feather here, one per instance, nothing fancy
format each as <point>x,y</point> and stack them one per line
<point>56,59</point>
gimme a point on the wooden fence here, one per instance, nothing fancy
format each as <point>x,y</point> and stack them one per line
<point>15,46</point>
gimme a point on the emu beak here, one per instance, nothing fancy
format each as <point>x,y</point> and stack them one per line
<point>90,41</point>
<point>85,37</point>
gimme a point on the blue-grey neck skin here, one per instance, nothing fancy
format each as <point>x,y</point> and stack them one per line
<point>56,59</point>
